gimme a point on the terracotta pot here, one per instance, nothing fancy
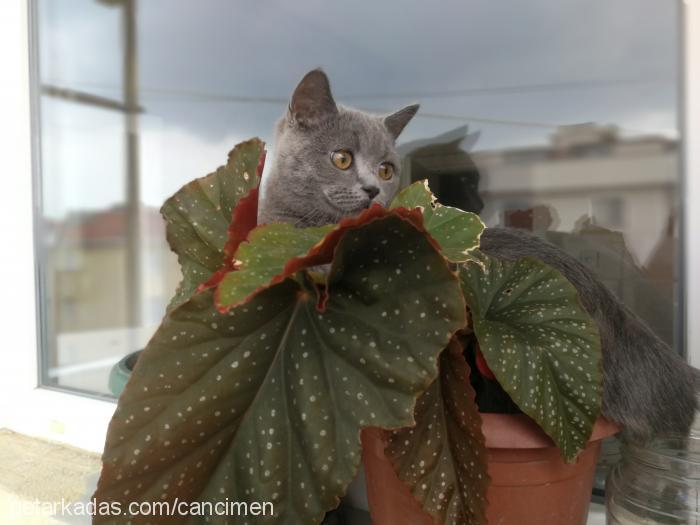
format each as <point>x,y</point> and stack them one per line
<point>530,483</point>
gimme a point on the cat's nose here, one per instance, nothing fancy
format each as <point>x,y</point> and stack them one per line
<point>371,191</point>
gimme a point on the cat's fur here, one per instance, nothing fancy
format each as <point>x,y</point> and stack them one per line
<point>647,387</point>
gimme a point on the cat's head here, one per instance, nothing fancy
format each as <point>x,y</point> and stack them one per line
<point>332,161</point>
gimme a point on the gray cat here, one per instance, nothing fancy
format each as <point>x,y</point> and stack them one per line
<point>331,162</point>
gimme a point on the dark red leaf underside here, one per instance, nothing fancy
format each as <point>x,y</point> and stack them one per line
<point>244,220</point>
<point>245,216</point>
<point>484,369</point>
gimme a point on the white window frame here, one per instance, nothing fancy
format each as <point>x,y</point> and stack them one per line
<point>81,421</point>
<point>690,126</point>
<point>24,406</point>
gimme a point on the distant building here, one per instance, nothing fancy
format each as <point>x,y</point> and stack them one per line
<point>89,286</point>
<point>587,172</point>
<point>87,270</point>
<point>596,194</point>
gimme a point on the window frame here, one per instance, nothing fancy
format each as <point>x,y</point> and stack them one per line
<point>25,405</point>
<point>690,177</point>
<point>28,407</point>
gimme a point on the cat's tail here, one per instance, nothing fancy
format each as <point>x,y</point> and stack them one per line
<point>647,387</point>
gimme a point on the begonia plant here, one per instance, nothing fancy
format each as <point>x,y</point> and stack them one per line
<point>282,344</point>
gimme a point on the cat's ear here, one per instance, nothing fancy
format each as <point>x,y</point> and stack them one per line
<point>397,121</point>
<point>312,101</point>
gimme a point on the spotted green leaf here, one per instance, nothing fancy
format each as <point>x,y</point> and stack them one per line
<point>263,257</point>
<point>266,402</point>
<point>417,195</point>
<point>197,217</point>
<point>443,459</point>
<point>456,231</point>
<point>540,343</point>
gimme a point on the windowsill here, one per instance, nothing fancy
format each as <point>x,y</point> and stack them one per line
<point>38,470</point>
<point>41,470</point>
<point>596,514</point>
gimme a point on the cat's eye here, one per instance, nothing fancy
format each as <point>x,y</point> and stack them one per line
<point>342,159</point>
<point>386,170</point>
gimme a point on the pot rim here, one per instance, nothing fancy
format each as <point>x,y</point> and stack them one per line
<point>516,431</point>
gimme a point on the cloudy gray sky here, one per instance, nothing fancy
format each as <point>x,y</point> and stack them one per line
<point>216,71</point>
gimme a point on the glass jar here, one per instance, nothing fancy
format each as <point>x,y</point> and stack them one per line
<point>656,483</point>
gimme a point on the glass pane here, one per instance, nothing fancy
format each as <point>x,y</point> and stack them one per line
<point>556,117</point>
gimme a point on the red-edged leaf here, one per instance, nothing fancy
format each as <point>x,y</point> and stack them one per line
<point>443,458</point>
<point>275,251</point>
<point>198,216</point>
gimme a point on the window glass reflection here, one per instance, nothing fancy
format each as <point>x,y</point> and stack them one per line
<point>559,118</point>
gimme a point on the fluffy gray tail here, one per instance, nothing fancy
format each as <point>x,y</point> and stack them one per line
<point>647,387</point>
